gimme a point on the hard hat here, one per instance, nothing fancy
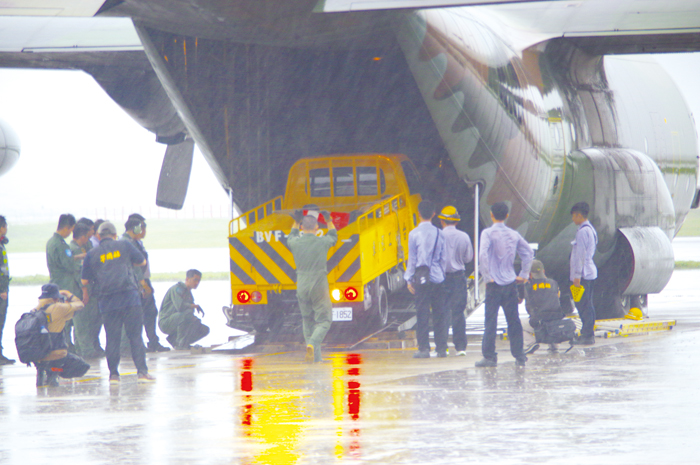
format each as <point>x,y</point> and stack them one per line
<point>449,213</point>
<point>635,314</point>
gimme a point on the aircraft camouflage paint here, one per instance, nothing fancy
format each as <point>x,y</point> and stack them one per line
<point>521,97</point>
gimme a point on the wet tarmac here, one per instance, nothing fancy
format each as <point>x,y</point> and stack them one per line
<point>632,400</point>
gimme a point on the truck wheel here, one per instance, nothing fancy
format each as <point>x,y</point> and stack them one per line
<point>381,307</point>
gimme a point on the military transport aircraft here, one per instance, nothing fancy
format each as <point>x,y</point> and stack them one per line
<point>525,99</point>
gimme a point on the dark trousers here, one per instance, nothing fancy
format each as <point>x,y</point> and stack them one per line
<point>70,366</point>
<point>506,297</point>
<point>189,330</point>
<point>150,315</point>
<point>131,319</point>
<point>456,296</point>
<point>429,296</point>
<point>3,317</point>
<point>585,308</point>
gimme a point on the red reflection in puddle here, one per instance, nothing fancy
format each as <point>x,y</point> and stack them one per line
<point>246,375</point>
<point>247,386</point>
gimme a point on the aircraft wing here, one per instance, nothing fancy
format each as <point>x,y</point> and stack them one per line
<point>66,34</point>
<point>598,26</point>
<point>336,6</point>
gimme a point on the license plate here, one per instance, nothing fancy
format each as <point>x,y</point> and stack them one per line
<point>342,314</point>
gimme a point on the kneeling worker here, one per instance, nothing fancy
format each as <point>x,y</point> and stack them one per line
<point>310,255</point>
<point>58,362</point>
<point>177,318</point>
<point>541,303</point>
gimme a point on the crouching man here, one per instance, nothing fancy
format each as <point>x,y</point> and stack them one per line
<point>542,305</point>
<point>177,318</point>
<point>58,362</point>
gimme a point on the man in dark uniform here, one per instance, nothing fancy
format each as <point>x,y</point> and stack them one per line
<point>458,252</point>
<point>310,255</point>
<point>110,267</point>
<point>4,285</point>
<point>61,264</point>
<point>541,302</point>
<point>135,231</point>
<point>177,318</point>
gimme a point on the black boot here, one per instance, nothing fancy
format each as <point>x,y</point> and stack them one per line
<point>40,377</point>
<point>51,378</point>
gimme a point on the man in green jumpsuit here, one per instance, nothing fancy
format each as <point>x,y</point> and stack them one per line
<point>310,255</point>
<point>87,322</point>
<point>61,264</point>
<point>4,286</point>
<point>176,317</point>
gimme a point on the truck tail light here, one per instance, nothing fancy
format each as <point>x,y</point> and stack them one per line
<point>243,297</point>
<point>335,293</point>
<point>256,297</point>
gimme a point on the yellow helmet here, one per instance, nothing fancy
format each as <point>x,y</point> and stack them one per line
<point>449,213</point>
<point>635,314</point>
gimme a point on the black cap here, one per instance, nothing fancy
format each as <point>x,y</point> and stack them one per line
<point>49,291</point>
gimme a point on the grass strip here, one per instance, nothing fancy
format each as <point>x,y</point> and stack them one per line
<point>156,277</point>
<point>687,265</point>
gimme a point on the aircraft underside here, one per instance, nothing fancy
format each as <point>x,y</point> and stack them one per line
<point>539,128</point>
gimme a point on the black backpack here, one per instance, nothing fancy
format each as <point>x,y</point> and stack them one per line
<point>32,337</point>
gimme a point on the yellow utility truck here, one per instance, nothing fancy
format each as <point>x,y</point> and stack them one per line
<point>373,202</point>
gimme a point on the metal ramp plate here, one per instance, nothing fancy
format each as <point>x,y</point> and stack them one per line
<point>624,327</point>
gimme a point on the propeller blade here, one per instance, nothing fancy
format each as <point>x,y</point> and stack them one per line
<point>175,175</point>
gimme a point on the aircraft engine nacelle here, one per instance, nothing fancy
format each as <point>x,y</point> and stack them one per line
<point>633,212</point>
<point>9,147</point>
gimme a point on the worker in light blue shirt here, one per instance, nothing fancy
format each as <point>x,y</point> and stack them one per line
<point>425,275</point>
<point>582,270</point>
<point>458,252</point>
<point>499,244</point>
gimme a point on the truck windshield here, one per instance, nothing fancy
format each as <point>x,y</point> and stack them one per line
<point>343,182</point>
<point>366,180</point>
<point>320,180</point>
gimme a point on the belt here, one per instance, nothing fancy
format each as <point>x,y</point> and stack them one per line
<point>455,273</point>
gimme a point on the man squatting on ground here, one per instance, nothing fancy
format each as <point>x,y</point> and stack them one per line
<point>582,270</point>
<point>135,231</point>
<point>541,296</point>
<point>426,251</point>
<point>110,267</point>
<point>58,362</point>
<point>4,285</point>
<point>87,322</point>
<point>499,244</point>
<point>177,318</point>
<point>310,255</point>
<point>458,252</point>
<point>61,265</point>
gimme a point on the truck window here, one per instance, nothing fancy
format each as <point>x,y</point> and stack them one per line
<point>366,180</point>
<point>343,182</point>
<point>320,180</point>
<point>412,178</point>
<point>382,181</point>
